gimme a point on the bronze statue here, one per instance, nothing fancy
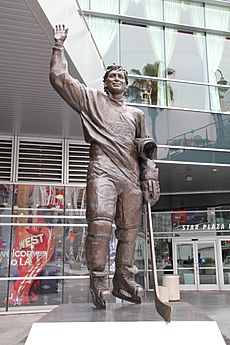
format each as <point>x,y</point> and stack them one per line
<point>121,172</point>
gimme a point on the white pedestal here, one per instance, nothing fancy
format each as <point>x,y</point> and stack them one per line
<point>135,333</point>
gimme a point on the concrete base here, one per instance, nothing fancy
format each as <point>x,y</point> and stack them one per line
<point>123,323</point>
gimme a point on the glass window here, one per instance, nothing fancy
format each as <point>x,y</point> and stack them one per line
<point>3,294</point>
<point>184,12</point>
<point>217,17</point>
<point>185,54</point>
<point>6,194</point>
<point>218,48</point>
<point>76,291</point>
<point>142,8</point>
<point>75,231</point>
<point>105,6</point>
<point>37,245</point>
<point>105,33</point>
<point>190,96</point>
<point>225,248</point>
<point>146,91</point>
<point>192,201</point>
<point>142,50</point>
<point>185,128</point>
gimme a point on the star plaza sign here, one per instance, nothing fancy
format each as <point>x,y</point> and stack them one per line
<point>204,227</point>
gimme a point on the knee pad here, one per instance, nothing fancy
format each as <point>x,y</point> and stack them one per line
<point>126,235</point>
<point>100,228</point>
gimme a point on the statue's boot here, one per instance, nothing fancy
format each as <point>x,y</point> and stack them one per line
<point>125,286</point>
<point>99,289</point>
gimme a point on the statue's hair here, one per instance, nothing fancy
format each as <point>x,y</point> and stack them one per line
<point>115,67</point>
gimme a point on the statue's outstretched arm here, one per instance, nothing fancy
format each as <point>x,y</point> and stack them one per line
<point>58,63</point>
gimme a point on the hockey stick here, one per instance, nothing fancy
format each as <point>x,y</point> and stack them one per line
<point>164,309</point>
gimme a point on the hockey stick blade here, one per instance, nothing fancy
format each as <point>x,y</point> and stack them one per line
<point>163,309</point>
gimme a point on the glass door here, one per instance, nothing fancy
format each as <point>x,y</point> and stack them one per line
<point>225,260</point>
<point>184,259</point>
<point>195,263</point>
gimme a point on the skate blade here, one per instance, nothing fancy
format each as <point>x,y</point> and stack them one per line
<point>132,299</point>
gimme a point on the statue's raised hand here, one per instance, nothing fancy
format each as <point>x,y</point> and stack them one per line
<point>60,33</point>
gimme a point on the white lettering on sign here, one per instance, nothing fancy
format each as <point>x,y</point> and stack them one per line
<point>31,241</point>
<point>197,227</point>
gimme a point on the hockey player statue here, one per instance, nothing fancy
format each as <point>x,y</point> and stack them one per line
<point>121,173</point>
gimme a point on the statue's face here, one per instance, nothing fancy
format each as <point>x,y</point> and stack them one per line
<point>115,82</point>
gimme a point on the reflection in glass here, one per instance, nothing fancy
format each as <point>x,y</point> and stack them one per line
<point>186,128</point>
<point>206,263</point>
<point>139,255</point>
<point>220,97</point>
<point>142,8</point>
<point>76,291</point>
<point>218,48</point>
<point>187,276</point>
<point>227,276</point>
<point>6,194</point>
<point>3,292</point>
<point>186,54</point>
<point>164,258</point>
<point>206,255</point>
<point>43,292</point>
<point>142,50</point>
<point>185,255</point>
<point>185,263</point>
<point>146,91</point>
<point>192,96</point>
<point>105,6</point>
<point>222,73</point>
<point>184,12</point>
<point>75,233</point>
<point>200,136</point>
<point>186,155</point>
<point>208,276</point>
<point>105,33</point>
<point>217,17</point>
<point>162,223</point>
<point>225,250</point>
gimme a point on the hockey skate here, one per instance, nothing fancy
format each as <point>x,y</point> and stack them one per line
<point>99,289</point>
<point>124,285</point>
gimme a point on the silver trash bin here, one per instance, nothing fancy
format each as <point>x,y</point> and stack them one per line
<point>171,281</point>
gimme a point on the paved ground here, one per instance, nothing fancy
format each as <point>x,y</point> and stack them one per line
<point>14,328</point>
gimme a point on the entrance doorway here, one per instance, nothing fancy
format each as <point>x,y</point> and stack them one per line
<point>196,264</point>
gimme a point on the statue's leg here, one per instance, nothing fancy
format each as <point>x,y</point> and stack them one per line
<point>101,203</point>
<point>128,217</point>
<point>97,250</point>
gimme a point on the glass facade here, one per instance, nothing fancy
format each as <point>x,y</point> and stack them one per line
<point>174,43</point>
<point>42,241</point>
